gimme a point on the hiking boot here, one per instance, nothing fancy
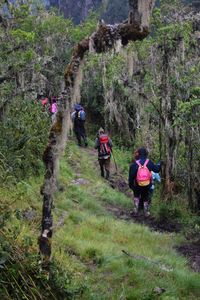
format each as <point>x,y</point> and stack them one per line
<point>85,142</point>
<point>146,209</point>
<point>147,213</point>
<point>136,206</point>
<point>135,211</point>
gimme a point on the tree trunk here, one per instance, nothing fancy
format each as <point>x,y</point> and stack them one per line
<point>169,130</point>
<point>102,40</point>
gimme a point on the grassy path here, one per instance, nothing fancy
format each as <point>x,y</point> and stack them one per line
<point>119,182</point>
<point>102,251</point>
<point>93,243</point>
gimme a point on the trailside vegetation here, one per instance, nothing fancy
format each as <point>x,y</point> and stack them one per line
<point>149,94</point>
<point>144,94</point>
<point>95,255</point>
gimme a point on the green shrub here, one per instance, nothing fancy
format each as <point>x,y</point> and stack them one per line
<point>24,134</point>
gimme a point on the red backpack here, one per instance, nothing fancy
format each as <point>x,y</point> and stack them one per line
<point>144,176</point>
<point>44,101</point>
<point>104,147</point>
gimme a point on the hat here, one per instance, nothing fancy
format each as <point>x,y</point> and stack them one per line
<point>77,107</point>
<point>101,130</point>
<point>143,152</point>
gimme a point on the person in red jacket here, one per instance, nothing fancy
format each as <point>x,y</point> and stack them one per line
<point>104,145</point>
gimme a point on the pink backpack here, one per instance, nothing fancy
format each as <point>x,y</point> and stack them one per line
<point>143,177</point>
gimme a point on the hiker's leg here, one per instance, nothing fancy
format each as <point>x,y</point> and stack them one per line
<point>78,137</point>
<point>83,135</point>
<point>136,199</point>
<point>136,204</point>
<point>85,141</point>
<point>53,118</point>
<point>141,204</point>
<point>145,196</point>
<point>101,164</point>
<point>150,195</point>
<point>107,167</point>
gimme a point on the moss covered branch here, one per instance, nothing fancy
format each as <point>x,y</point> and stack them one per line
<point>106,37</point>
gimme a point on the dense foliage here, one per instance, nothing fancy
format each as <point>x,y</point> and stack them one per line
<point>145,94</point>
<point>151,96</point>
<point>35,49</point>
<point>23,134</point>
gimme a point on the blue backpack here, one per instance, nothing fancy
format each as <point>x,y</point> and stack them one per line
<point>80,115</point>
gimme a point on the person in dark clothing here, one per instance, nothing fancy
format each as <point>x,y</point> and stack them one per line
<point>78,118</point>
<point>104,145</point>
<point>141,187</point>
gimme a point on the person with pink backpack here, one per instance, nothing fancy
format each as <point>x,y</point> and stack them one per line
<point>53,109</point>
<point>140,180</point>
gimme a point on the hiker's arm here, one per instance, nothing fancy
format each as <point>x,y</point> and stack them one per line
<point>73,116</point>
<point>110,144</point>
<point>97,144</point>
<point>132,175</point>
<point>152,167</point>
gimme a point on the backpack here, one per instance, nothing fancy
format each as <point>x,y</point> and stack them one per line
<point>80,115</point>
<point>104,147</point>
<point>144,176</point>
<point>44,101</point>
<point>53,108</point>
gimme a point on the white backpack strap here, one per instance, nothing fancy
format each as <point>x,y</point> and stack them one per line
<point>139,164</point>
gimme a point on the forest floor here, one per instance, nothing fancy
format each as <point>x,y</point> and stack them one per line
<point>191,250</point>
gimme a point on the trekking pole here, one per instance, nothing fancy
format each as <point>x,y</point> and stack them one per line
<point>114,161</point>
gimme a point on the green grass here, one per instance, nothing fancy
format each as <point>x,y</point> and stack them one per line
<point>89,244</point>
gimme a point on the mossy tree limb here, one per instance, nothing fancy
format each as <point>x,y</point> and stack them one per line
<point>105,38</point>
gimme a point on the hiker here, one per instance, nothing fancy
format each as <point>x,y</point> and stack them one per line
<point>155,178</point>
<point>140,180</point>
<point>78,118</point>
<point>42,100</point>
<point>53,109</point>
<point>104,145</point>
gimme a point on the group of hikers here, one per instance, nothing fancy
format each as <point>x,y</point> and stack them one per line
<point>48,104</point>
<point>143,173</point>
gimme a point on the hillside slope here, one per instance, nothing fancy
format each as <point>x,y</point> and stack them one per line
<point>101,256</point>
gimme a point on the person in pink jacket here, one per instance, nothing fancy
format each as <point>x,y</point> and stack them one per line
<point>53,109</point>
